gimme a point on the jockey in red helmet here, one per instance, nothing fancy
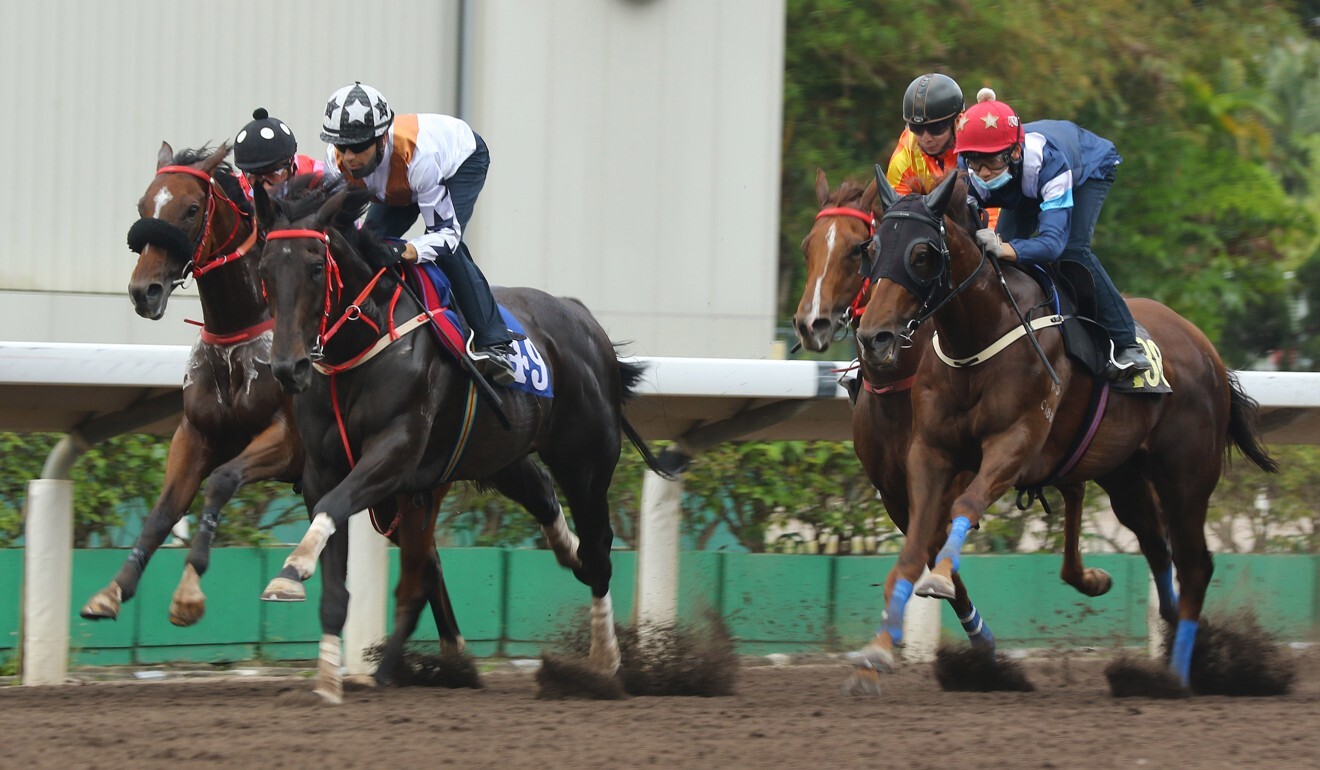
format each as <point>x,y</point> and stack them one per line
<point>1050,179</point>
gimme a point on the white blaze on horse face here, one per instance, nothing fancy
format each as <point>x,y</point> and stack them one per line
<point>161,200</point>
<point>824,271</point>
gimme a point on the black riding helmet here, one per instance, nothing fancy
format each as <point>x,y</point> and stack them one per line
<point>930,98</point>
<point>264,144</point>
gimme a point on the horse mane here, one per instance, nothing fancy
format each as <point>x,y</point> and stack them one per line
<point>960,208</point>
<point>302,196</point>
<point>847,192</point>
<point>223,174</point>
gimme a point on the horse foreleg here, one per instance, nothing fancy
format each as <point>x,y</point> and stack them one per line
<point>1093,581</point>
<point>301,564</point>
<point>188,461</point>
<point>274,453</point>
<point>334,610</point>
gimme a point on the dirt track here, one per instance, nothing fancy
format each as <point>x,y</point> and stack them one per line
<point>780,717</point>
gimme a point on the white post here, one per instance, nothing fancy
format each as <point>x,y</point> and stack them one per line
<point>368,582</point>
<point>1154,624</point>
<point>48,575</point>
<point>921,629</point>
<point>657,551</point>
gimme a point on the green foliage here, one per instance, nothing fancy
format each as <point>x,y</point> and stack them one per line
<point>121,475</point>
<point>1214,107</point>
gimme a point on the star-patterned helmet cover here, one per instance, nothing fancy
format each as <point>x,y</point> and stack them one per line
<point>263,143</point>
<point>355,113</point>
<point>988,126</point>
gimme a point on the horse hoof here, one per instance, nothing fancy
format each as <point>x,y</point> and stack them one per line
<point>358,682</point>
<point>184,614</point>
<point>1098,582</point>
<point>331,698</point>
<point>862,682</point>
<point>935,586</point>
<point>873,657</point>
<point>284,590</point>
<point>104,605</point>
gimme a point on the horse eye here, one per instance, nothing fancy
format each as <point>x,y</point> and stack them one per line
<point>192,211</point>
<point>318,269</point>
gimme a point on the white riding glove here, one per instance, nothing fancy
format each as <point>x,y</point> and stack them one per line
<point>989,241</point>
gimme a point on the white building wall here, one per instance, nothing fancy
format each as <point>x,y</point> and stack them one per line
<point>634,143</point>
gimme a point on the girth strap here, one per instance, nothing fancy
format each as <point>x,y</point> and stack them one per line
<point>997,346</point>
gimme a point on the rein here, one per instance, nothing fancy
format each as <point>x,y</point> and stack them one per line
<point>200,264</point>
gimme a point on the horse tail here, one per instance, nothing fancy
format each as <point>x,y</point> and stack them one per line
<point>1244,428</point>
<point>630,374</point>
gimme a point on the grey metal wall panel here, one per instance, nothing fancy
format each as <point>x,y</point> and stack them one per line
<point>103,83</point>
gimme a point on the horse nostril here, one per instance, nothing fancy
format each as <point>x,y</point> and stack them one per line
<point>155,291</point>
<point>881,340</point>
<point>821,326</point>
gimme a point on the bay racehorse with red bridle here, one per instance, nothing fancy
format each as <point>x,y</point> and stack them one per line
<point>237,424</point>
<point>1009,413</point>
<point>385,410</point>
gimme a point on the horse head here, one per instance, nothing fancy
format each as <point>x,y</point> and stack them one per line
<point>181,224</point>
<point>834,248</point>
<point>307,267</point>
<point>922,246</point>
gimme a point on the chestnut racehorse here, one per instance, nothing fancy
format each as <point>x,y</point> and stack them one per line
<point>988,406</point>
<point>237,424</point>
<point>836,250</point>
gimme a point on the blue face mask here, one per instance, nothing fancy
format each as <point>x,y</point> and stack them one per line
<point>994,184</point>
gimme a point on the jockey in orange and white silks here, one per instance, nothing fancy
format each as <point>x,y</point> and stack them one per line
<point>427,164</point>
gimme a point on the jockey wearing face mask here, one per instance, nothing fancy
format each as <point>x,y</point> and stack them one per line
<point>1050,179</point>
<point>427,164</point>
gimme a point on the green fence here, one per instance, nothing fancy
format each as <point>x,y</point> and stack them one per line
<point>511,602</point>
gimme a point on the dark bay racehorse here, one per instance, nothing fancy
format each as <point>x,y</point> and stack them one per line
<point>1003,419</point>
<point>237,424</point>
<point>836,249</point>
<point>391,412</point>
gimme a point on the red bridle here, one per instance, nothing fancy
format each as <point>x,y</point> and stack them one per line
<point>858,304</point>
<point>200,263</point>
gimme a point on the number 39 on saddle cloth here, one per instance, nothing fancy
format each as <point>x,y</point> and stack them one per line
<point>530,373</point>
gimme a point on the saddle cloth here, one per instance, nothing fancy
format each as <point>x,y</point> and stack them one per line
<point>530,372</point>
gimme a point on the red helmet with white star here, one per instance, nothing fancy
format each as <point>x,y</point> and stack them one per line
<point>988,126</point>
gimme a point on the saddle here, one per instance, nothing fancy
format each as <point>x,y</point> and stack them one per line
<point>1086,341</point>
<point>428,281</point>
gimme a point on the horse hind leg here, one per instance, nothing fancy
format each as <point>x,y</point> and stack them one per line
<point>1135,507</point>
<point>1090,581</point>
<point>1184,514</point>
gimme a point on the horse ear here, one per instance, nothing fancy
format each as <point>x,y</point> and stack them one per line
<point>887,195</point>
<point>264,206</point>
<point>165,156</point>
<point>822,187</point>
<point>869,196</point>
<point>215,158</point>
<point>938,199</point>
<point>331,207</point>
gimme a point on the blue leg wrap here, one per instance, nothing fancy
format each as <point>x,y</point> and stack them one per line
<point>1167,593</point>
<point>894,612</point>
<point>978,633</point>
<point>953,546</point>
<point>1183,642</point>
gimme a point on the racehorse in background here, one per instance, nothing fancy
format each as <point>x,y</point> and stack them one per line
<point>383,411</point>
<point>837,251</point>
<point>237,424</point>
<point>1010,413</point>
